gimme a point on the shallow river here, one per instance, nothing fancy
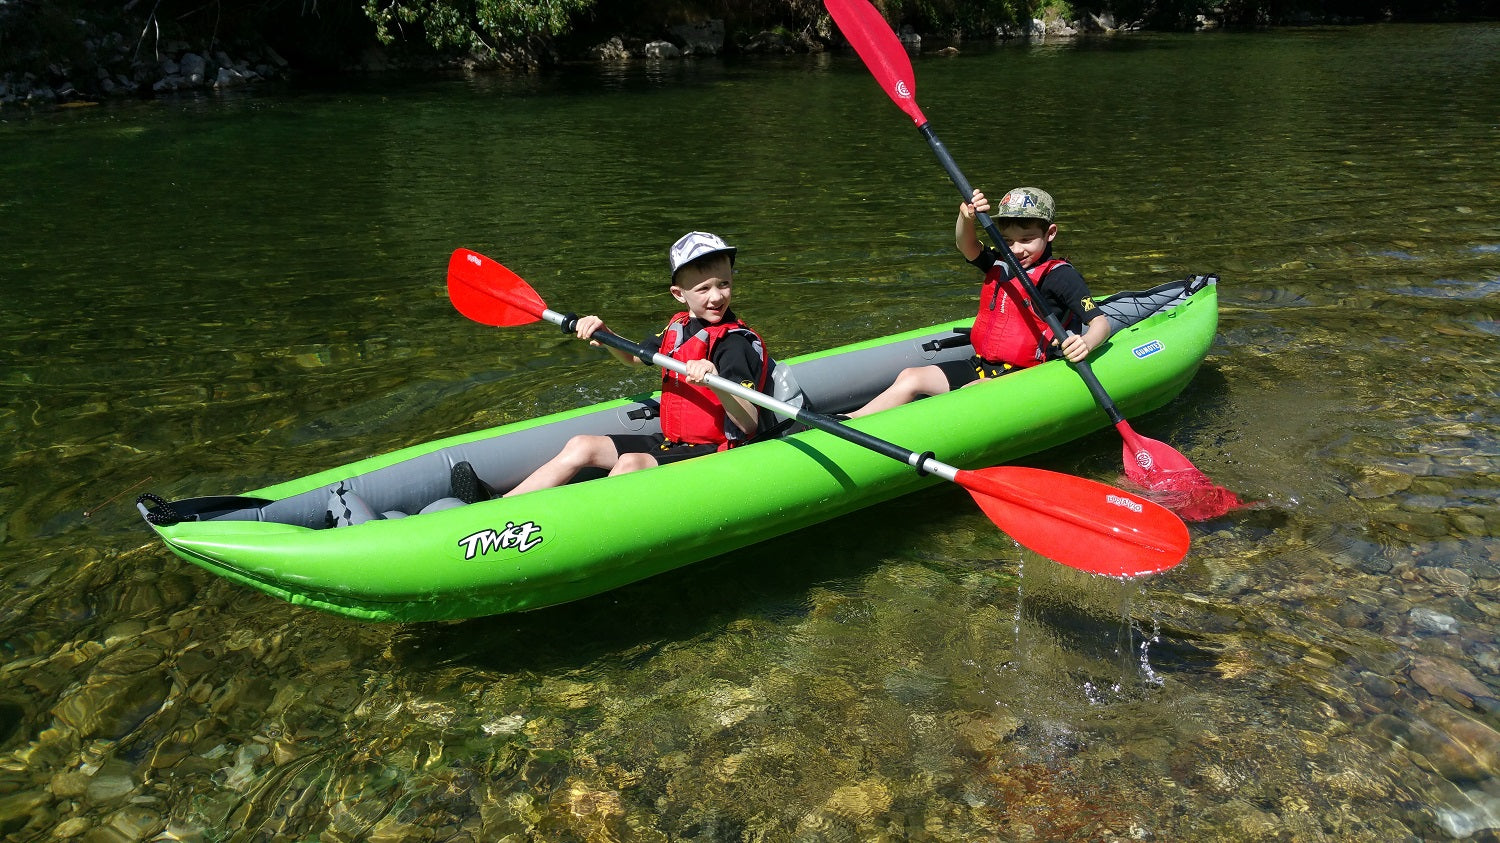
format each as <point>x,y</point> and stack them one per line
<point>209,295</point>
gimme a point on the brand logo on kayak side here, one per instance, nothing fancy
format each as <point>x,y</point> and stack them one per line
<point>474,259</point>
<point>1133,506</point>
<point>901,90</point>
<point>1143,351</point>
<point>518,537</point>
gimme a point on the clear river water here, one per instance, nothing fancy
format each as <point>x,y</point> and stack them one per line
<point>211,294</point>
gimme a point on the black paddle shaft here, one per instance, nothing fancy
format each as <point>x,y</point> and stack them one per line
<point>1083,368</point>
<point>924,463</point>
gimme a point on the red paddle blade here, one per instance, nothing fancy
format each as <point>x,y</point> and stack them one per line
<point>489,293</point>
<point>1172,480</point>
<point>880,50</point>
<point>1081,523</point>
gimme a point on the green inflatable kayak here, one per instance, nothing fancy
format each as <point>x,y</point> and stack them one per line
<point>383,538</point>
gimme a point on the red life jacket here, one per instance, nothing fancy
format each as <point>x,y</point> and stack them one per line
<point>1008,329</point>
<point>691,412</point>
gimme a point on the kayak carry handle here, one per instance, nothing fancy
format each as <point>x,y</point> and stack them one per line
<point>163,516</point>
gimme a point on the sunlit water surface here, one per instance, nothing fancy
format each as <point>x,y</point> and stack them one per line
<point>209,295</point>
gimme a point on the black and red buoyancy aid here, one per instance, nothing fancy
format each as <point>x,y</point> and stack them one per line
<point>691,412</point>
<point>1008,328</point>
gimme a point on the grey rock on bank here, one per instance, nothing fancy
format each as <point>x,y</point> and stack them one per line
<point>700,39</point>
<point>695,39</point>
<point>117,66</point>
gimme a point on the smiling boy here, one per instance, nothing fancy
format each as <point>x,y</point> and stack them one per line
<point>709,340</point>
<point>1008,334</point>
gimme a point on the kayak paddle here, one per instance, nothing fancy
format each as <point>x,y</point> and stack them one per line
<point>1153,465</point>
<point>1091,526</point>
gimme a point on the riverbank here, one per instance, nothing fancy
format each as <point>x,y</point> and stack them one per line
<point>109,61</point>
<point>49,59</point>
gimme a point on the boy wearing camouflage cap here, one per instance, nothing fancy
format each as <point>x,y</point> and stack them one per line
<point>1008,334</point>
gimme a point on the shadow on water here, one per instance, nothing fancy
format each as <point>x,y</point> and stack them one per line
<point>11,718</point>
<point>1093,636</point>
<point>770,581</point>
<point>777,582</point>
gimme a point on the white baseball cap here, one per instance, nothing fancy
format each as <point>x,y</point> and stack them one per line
<point>697,244</point>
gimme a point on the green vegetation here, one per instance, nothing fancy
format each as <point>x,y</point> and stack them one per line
<point>43,36</point>
<point>472,25</point>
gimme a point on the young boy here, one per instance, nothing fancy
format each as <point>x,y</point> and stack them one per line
<point>710,340</point>
<point>1007,334</point>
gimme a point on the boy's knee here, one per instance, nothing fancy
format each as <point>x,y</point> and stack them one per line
<point>918,378</point>
<point>636,462</point>
<point>633,462</point>
<point>583,446</point>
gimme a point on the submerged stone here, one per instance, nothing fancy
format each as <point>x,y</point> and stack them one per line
<point>1429,621</point>
<point>111,706</point>
<point>1449,577</point>
<point>111,782</point>
<point>1478,811</point>
<point>1449,680</point>
<point>18,809</point>
<point>1457,747</point>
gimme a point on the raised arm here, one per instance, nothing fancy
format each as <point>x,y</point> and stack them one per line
<point>965,237</point>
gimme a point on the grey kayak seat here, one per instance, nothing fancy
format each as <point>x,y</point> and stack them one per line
<point>345,509</point>
<point>440,504</point>
<point>784,387</point>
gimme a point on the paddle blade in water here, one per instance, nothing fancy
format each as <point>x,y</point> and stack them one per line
<point>1081,523</point>
<point>1191,495</point>
<point>880,50</point>
<point>489,293</point>
<point>1171,479</point>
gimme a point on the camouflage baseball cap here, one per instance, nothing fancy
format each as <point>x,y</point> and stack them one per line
<point>1031,203</point>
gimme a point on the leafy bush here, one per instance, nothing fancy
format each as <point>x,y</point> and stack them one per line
<point>471,24</point>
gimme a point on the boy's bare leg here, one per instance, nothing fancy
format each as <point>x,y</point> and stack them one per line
<point>581,452</point>
<point>909,386</point>
<point>627,463</point>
